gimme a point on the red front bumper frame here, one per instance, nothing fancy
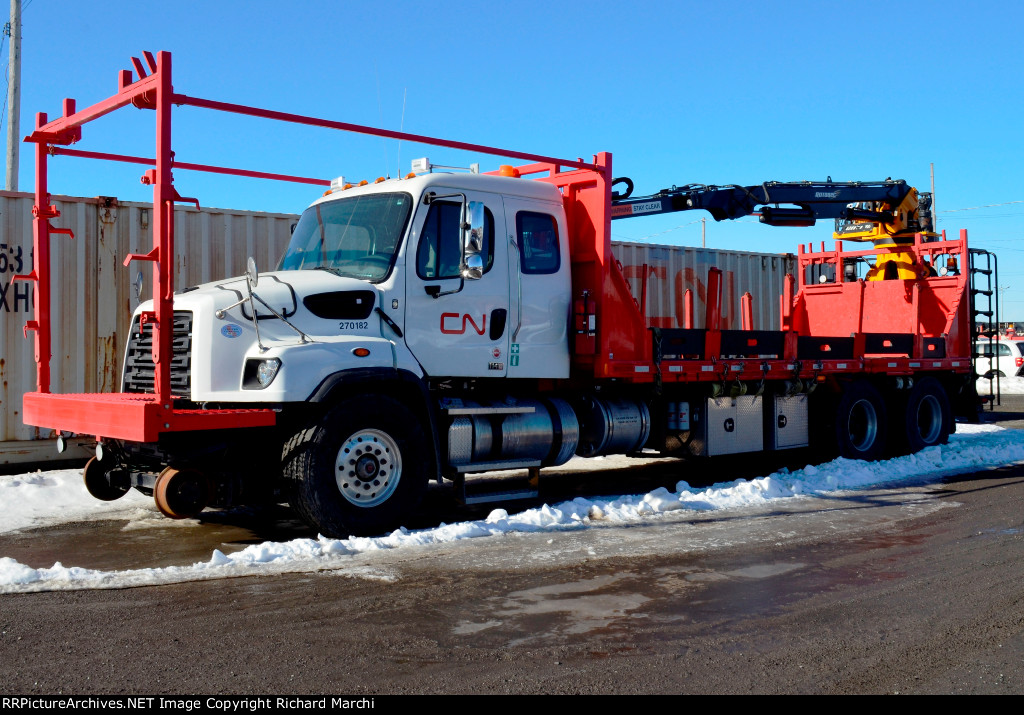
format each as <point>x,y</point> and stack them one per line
<point>131,416</point>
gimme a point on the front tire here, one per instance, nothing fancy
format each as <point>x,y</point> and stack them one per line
<point>361,469</point>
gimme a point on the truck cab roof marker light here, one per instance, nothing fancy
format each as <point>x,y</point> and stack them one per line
<point>423,166</point>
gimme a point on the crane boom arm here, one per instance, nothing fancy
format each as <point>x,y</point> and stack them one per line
<point>777,203</point>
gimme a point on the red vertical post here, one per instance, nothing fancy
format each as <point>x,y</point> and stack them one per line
<point>42,211</point>
<point>713,307</point>
<point>163,233</point>
<point>800,265</point>
<point>713,315</point>
<point>786,314</point>
<point>747,311</point>
<point>643,293</point>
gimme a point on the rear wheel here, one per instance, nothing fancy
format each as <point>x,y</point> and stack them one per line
<point>926,419</point>
<point>860,422</point>
<point>361,469</point>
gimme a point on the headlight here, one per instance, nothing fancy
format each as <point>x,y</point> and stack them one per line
<point>266,370</point>
<point>259,373</point>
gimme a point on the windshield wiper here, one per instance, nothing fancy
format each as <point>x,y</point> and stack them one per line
<point>329,269</point>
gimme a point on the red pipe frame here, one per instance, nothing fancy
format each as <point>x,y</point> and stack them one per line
<point>155,91</point>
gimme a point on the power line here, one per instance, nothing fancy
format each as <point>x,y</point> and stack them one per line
<point>974,208</point>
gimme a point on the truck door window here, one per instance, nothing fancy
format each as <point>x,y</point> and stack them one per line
<point>439,253</point>
<point>538,241</point>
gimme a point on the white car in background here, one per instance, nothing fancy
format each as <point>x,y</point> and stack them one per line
<point>1000,358</point>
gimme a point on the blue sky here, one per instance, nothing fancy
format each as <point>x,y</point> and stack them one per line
<point>679,92</point>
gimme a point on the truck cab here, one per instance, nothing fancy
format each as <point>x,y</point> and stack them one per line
<point>374,277</point>
<point>386,296</point>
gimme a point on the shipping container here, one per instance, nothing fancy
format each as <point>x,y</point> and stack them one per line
<point>659,277</point>
<point>93,296</point>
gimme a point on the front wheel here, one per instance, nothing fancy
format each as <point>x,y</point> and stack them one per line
<point>361,469</point>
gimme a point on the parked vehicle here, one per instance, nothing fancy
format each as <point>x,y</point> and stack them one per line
<point>1000,358</point>
<point>440,325</point>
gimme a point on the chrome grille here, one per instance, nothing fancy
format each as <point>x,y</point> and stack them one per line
<point>139,370</point>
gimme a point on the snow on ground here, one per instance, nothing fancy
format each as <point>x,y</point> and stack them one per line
<point>47,498</point>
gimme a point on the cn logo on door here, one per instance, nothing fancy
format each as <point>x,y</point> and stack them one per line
<point>456,324</point>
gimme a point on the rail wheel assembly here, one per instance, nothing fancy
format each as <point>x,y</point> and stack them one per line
<point>103,483</point>
<point>181,493</point>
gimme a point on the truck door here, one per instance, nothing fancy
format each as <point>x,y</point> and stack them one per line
<point>461,332</point>
<point>540,289</point>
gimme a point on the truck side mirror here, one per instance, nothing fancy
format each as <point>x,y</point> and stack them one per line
<point>472,240</point>
<point>137,285</point>
<point>251,273</point>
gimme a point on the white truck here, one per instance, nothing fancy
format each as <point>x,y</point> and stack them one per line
<point>446,324</point>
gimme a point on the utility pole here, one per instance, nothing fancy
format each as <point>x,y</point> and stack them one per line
<point>14,97</point>
<point>935,215</point>
<point>703,235</point>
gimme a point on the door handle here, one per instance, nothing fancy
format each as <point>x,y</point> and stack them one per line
<point>498,318</point>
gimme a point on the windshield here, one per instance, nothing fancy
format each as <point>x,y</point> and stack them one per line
<point>355,237</point>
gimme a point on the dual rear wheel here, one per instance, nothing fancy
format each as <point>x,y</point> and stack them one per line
<point>868,426</point>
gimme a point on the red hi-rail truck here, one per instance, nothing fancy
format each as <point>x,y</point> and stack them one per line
<point>446,324</point>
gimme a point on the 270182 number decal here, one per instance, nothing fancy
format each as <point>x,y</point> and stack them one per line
<point>353,325</point>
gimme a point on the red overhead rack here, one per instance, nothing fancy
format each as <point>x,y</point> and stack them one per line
<point>143,417</point>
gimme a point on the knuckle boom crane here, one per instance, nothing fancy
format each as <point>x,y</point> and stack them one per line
<point>887,213</point>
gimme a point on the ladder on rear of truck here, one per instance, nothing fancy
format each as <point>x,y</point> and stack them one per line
<point>984,272</point>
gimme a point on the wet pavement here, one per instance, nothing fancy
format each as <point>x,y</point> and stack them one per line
<point>901,590</point>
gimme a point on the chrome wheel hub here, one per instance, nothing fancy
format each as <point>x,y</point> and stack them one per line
<point>368,468</point>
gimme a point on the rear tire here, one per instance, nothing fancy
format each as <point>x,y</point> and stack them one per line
<point>926,419</point>
<point>361,470</point>
<point>861,422</point>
